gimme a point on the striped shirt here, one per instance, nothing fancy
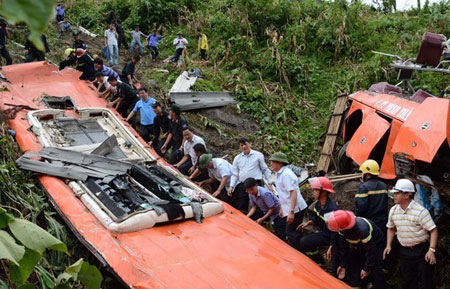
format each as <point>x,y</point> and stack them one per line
<point>412,224</point>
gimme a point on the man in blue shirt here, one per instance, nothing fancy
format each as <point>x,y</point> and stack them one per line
<point>153,44</point>
<point>3,34</point>
<point>60,12</point>
<point>145,108</point>
<point>105,70</point>
<point>264,200</point>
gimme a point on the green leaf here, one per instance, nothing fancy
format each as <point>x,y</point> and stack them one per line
<point>34,13</point>
<point>71,272</point>
<point>27,286</point>
<point>9,249</point>
<point>19,274</point>
<point>4,218</point>
<point>34,237</point>
<point>90,276</point>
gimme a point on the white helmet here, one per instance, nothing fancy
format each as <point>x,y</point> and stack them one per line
<point>403,185</point>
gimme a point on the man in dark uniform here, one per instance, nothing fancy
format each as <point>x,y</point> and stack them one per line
<point>310,244</point>
<point>126,97</point>
<point>3,34</point>
<point>161,125</point>
<point>175,137</point>
<point>361,248</point>
<point>371,199</point>
<point>85,64</point>
<point>33,52</point>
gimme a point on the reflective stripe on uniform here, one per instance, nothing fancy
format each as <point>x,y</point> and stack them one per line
<point>365,240</point>
<point>319,215</point>
<point>371,193</point>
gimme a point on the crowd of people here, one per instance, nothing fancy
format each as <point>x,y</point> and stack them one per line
<point>357,243</point>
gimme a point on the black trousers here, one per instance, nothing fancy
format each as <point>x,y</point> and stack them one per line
<point>357,259</point>
<point>176,154</point>
<point>415,269</point>
<point>177,55</point>
<point>294,236</point>
<point>35,55</point>
<point>154,51</point>
<point>203,54</point>
<point>67,62</point>
<point>240,199</point>
<point>122,40</point>
<point>5,54</point>
<point>146,131</point>
<point>311,244</point>
<point>184,168</point>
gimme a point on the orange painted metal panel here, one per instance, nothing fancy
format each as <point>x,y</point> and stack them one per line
<point>425,131</point>
<point>225,251</point>
<point>366,137</point>
<point>387,169</point>
<point>395,107</point>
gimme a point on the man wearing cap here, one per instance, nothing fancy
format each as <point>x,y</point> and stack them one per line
<point>77,42</point>
<point>189,158</point>
<point>264,200</point>
<point>144,106</point>
<point>417,234</point>
<point>85,64</point>
<point>174,138</point>
<point>248,164</point>
<point>321,188</point>
<point>360,249</point>
<point>161,125</point>
<point>371,199</point>
<point>219,171</point>
<point>180,44</point>
<point>292,203</point>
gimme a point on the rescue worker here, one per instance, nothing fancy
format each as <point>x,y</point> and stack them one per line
<point>417,234</point>
<point>321,188</point>
<point>360,249</point>
<point>371,199</point>
<point>71,59</point>
<point>85,64</point>
<point>292,203</point>
<point>248,164</point>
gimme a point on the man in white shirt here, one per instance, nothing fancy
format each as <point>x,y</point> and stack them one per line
<point>248,164</point>
<point>136,40</point>
<point>180,44</point>
<point>111,42</point>
<point>417,235</point>
<point>219,171</point>
<point>292,203</point>
<point>189,159</point>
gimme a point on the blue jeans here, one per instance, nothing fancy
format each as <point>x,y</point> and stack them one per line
<point>133,44</point>
<point>114,54</point>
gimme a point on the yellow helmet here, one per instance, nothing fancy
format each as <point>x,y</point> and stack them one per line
<point>68,51</point>
<point>370,167</point>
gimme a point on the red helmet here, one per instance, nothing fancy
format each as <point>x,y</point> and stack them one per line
<point>340,220</point>
<point>321,183</point>
<point>80,52</point>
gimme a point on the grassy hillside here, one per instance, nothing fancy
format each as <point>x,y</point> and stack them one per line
<point>284,60</point>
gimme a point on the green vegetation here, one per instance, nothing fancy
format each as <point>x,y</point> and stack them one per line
<point>284,60</point>
<point>24,244</point>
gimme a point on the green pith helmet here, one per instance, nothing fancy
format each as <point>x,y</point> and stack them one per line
<point>279,157</point>
<point>204,160</point>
